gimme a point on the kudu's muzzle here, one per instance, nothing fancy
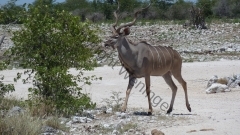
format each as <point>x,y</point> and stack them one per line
<point>109,43</point>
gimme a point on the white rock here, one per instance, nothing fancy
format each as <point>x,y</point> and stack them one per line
<point>68,124</point>
<point>128,119</point>
<point>106,125</point>
<point>115,132</point>
<point>131,130</point>
<point>212,80</point>
<point>229,50</point>
<point>217,87</point>
<point>141,118</point>
<point>120,124</point>
<point>15,110</point>
<point>109,110</point>
<point>152,121</point>
<point>76,119</point>
<point>118,114</point>
<point>124,115</point>
<point>73,129</point>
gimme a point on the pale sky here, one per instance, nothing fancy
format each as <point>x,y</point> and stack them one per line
<point>21,2</point>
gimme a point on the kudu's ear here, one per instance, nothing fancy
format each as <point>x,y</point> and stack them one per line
<point>126,31</point>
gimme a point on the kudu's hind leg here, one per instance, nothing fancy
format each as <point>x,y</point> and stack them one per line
<point>168,79</point>
<point>129,88</point>
<point>178,76</point>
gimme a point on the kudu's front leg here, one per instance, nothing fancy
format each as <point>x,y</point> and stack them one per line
<point>129,88</point>
<point>147,81</point>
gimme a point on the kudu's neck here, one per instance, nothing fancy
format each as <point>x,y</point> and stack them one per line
<point>125,47</point>
<point>126,51</point>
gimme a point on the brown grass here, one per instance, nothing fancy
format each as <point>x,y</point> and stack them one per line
<point>55,123</point>
<point>222,81</point>
<point>22,124</point>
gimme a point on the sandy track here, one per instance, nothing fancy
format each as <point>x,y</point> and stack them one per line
<point>220,112</point>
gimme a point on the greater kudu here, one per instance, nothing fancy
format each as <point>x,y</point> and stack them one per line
<point>145,60</point>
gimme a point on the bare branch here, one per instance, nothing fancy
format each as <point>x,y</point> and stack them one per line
<point>1,41</point>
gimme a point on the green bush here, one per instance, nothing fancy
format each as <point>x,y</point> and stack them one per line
<point>179,11</point>
<point>4,88</point>
<point>10,13</point>
<point>49,43</point>
<point>206,6</point>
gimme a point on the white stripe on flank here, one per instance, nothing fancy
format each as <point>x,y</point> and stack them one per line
<point>163,54</point>
<point>169,54</point>
<point>158,56</point>
<point>152,55</point>
<point>172,56</point>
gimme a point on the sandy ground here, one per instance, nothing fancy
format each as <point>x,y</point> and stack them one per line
<point>219,112</point>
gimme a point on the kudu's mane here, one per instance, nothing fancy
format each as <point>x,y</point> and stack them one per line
<point>136,44</point>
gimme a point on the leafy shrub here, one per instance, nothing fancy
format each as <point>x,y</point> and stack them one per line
<point>206,7</point>
<point>49,43</point>
<point>4,88</point>
<point>221,8</point>
<point>9,13</point>
<point>180,10</point>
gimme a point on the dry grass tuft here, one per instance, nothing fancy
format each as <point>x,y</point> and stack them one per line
<point>29,122</point>
<point>55,123</point>
<point>127,127</point>
<point>22,124</point>
<point>8,103</point>
<point>41,109</point>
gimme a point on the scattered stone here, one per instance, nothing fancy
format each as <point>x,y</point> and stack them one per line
<point>210,129</point>
<point>77,119</point>
<point>216,84</point>
<point>229,50</point>
<point>141,118</point>
<point>120,124</point>
<point>222,49</point>
<point>157,132</point>
<point>118,114</point>
<point>191,131</point>
<point>69,124</point>
<point>109,110</point>
<point>15,110</point>
<point>131,130</point>
<point>106,125</point>
<point>212,80</point>
<point>104,109</point>
<point>48,129</point>
<point>217,87</point>
<point>124,115</point>
<point>115,132</point>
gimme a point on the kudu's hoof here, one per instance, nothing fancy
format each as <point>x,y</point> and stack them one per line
<point>189,108</point>
<point>123,110</point>
<point>149,113</point>
<point>169,111</point>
